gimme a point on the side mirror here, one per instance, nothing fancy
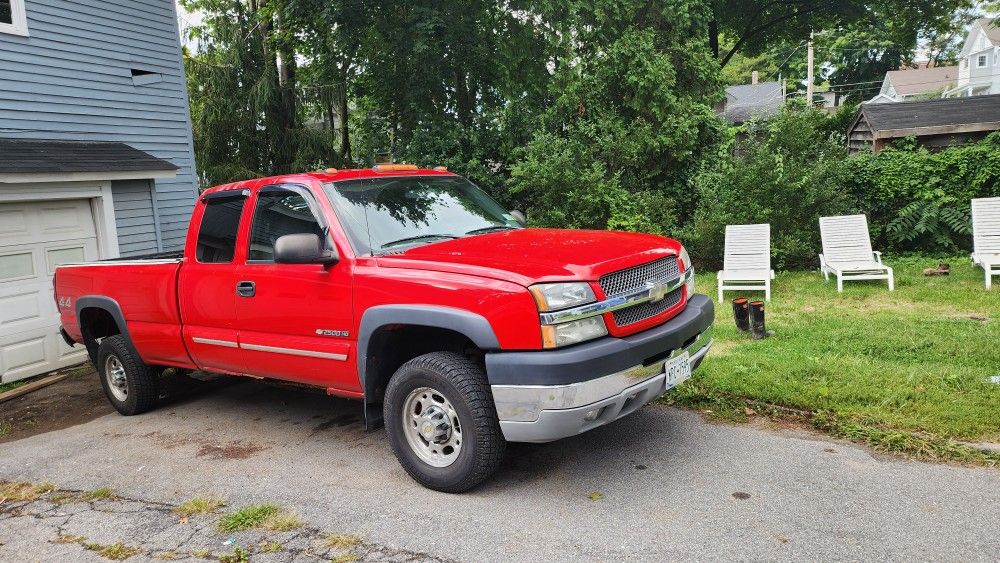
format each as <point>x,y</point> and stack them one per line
<point>519,216</point>
<point>303,248</point>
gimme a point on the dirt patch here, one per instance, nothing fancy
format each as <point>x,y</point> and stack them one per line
<point>80,398</point>
<point>74,400</point>
<point>232,450</point>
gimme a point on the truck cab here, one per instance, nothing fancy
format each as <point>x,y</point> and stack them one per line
<point>412,290</point>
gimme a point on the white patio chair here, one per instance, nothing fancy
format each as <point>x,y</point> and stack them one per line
<point>986,236</point>
<point>847,251</point>
<point>747,262</point>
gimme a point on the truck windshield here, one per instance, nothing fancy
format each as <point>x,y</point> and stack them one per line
<point>391,214</point>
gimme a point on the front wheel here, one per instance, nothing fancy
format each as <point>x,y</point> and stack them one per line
<point>442,422</point>
<point>131,385</point>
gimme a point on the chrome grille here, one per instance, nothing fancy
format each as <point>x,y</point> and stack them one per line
<point>636,277</point>
<point>643,311</point>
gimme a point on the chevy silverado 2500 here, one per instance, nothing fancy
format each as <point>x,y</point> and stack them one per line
<point>411,290</point>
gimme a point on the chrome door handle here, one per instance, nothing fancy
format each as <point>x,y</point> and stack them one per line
<point>246,289</point>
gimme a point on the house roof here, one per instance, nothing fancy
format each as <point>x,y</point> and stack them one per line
<point>29,156</point>
<point>917,80</point>
<point>940,116</point>
<point>745,101</point>
<point>989,28</point>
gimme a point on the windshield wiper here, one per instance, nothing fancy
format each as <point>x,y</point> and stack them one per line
<point>489,229</point>
<point>416,239</point>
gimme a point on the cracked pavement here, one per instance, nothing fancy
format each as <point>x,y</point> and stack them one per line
<point>661,484</point>
<point>50,529</point>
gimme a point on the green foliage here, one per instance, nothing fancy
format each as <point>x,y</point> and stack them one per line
<point>793,169</point>
<point>629,119</point>
<point>919,200</point>
<point>787,172</point>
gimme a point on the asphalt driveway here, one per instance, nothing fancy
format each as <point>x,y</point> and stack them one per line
<point>667,484</point>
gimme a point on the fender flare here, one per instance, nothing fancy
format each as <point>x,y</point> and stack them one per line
<point>474,326</point>
<point>106,304</point>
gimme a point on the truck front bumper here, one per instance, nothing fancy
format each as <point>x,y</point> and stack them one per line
<point>547,395</point>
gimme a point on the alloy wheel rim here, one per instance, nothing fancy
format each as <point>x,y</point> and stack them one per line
<point>114,373</point>
<point>431,426</point>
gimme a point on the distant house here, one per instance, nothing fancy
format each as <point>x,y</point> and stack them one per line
<point>979,61</point>
<point>747,101</point>
<point>934,123</point>
<point>96,158</point>
<point>916,83</point>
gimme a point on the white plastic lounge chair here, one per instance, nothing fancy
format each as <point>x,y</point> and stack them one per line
<point>847,251</point>
<point>986,236</point>
<point>747,263</point>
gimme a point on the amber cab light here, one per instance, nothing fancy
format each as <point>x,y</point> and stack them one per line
<point>394,167</point>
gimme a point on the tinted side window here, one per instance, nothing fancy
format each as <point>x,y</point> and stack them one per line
<point>217,234</point>
<point>279,213</point>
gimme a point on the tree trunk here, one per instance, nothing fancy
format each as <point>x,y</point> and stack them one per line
<point>342,115</point>
<point>713,37</point>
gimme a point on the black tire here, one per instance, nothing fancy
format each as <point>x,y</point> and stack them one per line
<point>142,381</point>
<point>465,387</point>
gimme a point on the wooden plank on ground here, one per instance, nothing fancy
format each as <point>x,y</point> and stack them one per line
<point>33,386</point>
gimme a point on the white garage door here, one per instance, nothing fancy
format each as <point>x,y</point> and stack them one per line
<point>35,237</point>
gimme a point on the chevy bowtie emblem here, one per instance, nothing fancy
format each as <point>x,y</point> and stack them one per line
<point>658,290</point>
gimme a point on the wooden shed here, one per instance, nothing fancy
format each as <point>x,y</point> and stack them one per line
<point>934,123</point>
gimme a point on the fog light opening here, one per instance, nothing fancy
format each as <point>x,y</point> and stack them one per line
<point>593,414</point>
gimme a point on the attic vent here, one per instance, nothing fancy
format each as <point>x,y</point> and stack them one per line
<point>141,77</point>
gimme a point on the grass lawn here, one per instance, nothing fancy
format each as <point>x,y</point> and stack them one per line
<point>906,371</point>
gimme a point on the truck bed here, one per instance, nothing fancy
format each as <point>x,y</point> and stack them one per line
<point>143,289</point>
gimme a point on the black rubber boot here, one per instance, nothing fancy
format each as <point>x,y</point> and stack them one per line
<point>757,328</point>
<point>741,313</point>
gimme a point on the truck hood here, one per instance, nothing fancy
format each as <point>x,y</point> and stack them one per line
<point>528,256</point>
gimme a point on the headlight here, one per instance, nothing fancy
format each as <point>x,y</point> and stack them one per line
<point>563,334</point>
<point>685,259</point>
<point>555,296</point>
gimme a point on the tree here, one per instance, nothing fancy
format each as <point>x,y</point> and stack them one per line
<point>629,116</point>
<point>753,27</point>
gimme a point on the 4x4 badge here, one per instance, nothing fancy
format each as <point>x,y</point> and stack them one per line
<point>327,332</point>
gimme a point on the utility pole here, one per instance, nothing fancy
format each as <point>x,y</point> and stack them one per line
<point>809,72</point>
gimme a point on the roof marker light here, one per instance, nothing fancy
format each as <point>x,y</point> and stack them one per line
<point>394,167</point>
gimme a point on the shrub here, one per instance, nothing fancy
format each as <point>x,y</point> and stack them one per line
<point>919,200</point>
<point>787,172</point>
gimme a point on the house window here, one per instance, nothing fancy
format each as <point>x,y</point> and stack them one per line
<point>12,17</point>
<point>981,61</point>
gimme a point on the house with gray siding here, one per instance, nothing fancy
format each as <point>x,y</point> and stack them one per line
<point>979,61</point>
<point>96,156</point>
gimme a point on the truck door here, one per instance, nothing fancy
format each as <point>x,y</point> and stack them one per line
<point>207,283</point>
<point>295,319</point>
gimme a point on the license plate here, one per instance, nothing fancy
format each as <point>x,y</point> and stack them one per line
<point>677,370</point>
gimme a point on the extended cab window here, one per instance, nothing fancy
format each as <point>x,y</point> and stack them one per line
<point>217,233</point>
<point>279,212</point>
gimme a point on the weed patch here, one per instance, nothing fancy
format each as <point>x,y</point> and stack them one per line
<point>116,551</point>
<point>199,505</point>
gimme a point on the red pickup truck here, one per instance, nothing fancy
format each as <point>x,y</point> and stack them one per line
<point>412,291</point>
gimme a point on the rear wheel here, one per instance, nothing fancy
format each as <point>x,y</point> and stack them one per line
<point>442,422</point>
<point>131,385</point>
